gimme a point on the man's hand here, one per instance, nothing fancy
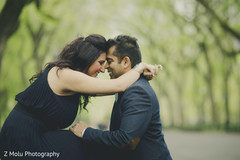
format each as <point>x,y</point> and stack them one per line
<point>78,128</point>
<point>132,145</point>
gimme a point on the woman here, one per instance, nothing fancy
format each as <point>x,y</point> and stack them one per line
<point>50,103</point>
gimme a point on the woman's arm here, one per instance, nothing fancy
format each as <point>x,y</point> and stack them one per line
<point>68,80</point>
<point>79,82</point>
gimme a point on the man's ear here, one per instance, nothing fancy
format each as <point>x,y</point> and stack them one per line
<point>126,62</point>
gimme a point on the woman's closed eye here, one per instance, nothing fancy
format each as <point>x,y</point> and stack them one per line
<point>102,62</point>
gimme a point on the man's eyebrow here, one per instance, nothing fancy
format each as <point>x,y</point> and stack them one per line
<point>108,59</point>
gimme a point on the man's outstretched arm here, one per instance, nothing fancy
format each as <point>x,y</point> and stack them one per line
<point>136,115</point>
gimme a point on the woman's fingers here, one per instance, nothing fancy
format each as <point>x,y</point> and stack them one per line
<point>152,69</point>
<point>148,75</point>
<point>160,67</point>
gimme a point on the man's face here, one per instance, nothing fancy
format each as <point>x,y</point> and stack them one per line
<point>114,68</point>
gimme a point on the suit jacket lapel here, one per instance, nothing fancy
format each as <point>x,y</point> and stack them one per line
<point>116,113</point>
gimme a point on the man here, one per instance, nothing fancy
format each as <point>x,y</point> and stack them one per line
<point>135,128</point>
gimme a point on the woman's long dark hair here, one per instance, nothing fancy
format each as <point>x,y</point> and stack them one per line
<point>79,55</point>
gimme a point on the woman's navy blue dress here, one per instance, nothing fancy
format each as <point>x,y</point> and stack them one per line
<point>33,128</point>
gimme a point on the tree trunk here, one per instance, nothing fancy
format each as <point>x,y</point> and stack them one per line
<point>227,72</point>
<point>3,105</point>
<point>238,88</point>
<point>170,108</point>
<point>37,37</point>
<point>222,23</point>
<point>239,102</point>
<point>226,100</point>
<point>9,22</point>
<point>199,100</point>
<point>179,87</point>
<point>209,81</point>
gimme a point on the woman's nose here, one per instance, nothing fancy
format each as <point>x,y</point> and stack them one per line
<point>106,66</point>
<point>102,69</point>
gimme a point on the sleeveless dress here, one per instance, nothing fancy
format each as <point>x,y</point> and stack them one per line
<point>33,128</point>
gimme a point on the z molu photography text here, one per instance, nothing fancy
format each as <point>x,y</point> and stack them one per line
<point>31,154</point>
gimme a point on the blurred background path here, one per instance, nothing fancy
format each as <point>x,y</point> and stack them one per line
<point>203,145</point>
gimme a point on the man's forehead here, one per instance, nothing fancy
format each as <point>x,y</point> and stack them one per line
<point>111,50</point>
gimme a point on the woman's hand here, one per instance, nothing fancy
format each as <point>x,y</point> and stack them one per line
<point>149,71</point>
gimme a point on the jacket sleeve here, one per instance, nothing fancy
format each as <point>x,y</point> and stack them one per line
<point>136,115</point>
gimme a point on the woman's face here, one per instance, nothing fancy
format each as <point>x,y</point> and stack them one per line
<point>97,66</point>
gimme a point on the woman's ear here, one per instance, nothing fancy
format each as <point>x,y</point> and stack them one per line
<point>126,62</point>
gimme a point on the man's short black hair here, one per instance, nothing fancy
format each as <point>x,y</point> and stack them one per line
<point>126,46</point>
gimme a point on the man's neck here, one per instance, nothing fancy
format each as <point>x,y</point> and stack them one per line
<point>127,69</point>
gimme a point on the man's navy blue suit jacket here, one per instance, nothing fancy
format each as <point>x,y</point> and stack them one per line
<point>135,115</point>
